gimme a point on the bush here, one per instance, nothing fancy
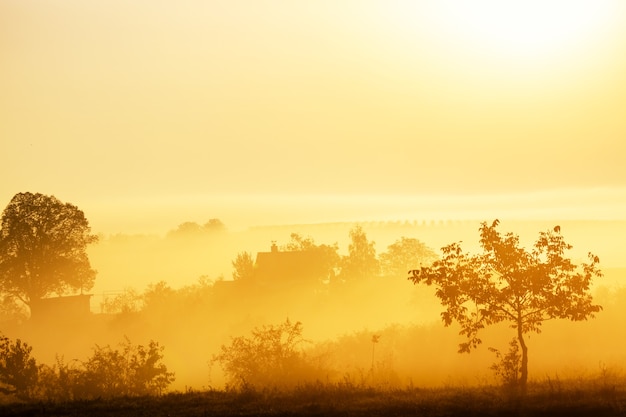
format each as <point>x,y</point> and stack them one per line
<point>18,371</point>
<point>270,358</point>
<point>131,370</point>
<point>507,369</point>
<point>61,382</point>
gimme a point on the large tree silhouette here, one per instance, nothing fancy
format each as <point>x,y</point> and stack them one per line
<point>509,283</point>
<point>43,248</point>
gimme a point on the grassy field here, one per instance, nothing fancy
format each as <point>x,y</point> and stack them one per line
<point>546,399</point>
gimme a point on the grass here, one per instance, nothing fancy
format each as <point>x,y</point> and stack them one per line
<point>547,398</point>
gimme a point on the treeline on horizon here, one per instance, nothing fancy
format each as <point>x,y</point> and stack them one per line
<point>192,249</point>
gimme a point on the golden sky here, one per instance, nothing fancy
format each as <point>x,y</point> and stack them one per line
<point>135,108</point>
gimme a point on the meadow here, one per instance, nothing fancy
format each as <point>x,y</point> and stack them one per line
<point>370,346</point>
<point>591,397</point>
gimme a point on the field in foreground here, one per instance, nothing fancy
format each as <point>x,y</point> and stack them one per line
<point>545,400</point>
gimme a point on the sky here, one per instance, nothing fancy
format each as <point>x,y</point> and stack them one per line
<point>146,114</point>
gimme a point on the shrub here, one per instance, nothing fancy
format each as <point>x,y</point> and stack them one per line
<point>270,358</point>
<point>18,371</point>
<point>62,381</point>
<point>507,369</point>
<point>131,370</point>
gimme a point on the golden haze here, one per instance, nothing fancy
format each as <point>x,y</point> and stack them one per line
<point>146,115</point>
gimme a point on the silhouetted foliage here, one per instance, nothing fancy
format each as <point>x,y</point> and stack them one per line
<point>555,399</point>
<point>361,261</point>
<point>509,283</point>
<point>508,366</point>
<point>12,310</point>
<point>128,301</point>
<point>214,225</point>
<point>43,248</point>
<point>244,266</point>
<point>271,357</point>
<point>18,371</point>
<point>158,295</point>
<point>403,255</point>
<point>61,381</point>
<point>131,370</point>
<point>327,256</point>
<point>186,229</point>
<point>193,229</point>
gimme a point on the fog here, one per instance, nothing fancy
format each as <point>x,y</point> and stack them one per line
<point>247,163</point>
<point>178,289</point>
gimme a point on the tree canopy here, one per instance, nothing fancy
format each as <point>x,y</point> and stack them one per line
<point>507,283</point>
<point>404,254</point>
<point>243,266</point>
<point>361,262</point>
<point>43,246</point>
<point>193,229</point>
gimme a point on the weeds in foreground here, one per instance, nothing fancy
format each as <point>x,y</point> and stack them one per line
<point>552,396</point>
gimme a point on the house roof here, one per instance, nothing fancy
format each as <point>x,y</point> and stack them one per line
<point>295,266</point>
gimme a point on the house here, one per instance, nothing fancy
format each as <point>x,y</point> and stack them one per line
<point>278,269</point>
<point>61,309</point>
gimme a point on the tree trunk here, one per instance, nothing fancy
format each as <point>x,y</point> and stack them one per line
<point>524,366</point>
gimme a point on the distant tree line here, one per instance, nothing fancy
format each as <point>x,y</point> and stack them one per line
<point>361,263</point>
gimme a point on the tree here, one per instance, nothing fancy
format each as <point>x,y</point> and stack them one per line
<point>186,229</point>
<point>214,225</point>
<point>361,261</point>
<point>43,246</point>
<point>244,266</point>
<point>507,283</point>
<point>299,243</point>
<point>404,254</point>
<point>193,229</point>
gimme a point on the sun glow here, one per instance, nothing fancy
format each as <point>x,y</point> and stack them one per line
<point>518,32</point>
<point>528,29</point>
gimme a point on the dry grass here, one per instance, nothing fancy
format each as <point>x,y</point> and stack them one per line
<point>547,398</point>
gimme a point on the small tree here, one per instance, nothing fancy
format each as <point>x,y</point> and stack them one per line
<point>18,370</point>
<point>244,266</point>
<point>509,283</point>
<point>43,246</point>
<point>270,357</point>
<point>361,261</point>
